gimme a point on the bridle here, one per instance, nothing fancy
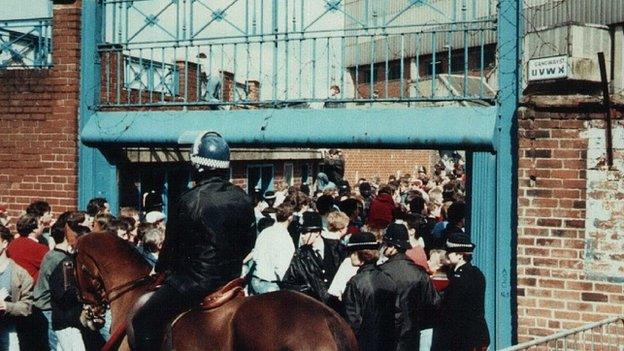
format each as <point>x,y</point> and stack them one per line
<point>105,296</point>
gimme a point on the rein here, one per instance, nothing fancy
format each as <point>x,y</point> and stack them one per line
<point>109,295</point>
<point>120,290</point>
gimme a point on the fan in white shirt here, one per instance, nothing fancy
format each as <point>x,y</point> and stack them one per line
<point>273,252</point>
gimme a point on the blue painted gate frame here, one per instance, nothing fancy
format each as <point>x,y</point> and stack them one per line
<point>488,133</point>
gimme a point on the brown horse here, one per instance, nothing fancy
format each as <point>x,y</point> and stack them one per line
<point>110,271</point>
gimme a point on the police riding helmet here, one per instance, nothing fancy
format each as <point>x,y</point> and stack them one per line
<point>210,152</point>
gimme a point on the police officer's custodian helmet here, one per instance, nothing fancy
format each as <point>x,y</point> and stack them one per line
<point>210,152</point>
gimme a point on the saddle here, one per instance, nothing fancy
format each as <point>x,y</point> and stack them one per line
<point>223,295</point>
<point>216,299</point>
<point>226,293</point>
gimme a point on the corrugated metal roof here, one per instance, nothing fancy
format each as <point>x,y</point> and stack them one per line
<point>414,44</point>
<point>408,12</point>
<point>538,15</point>
<point>556,13</point>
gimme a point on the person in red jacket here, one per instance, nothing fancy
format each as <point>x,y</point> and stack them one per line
<point>380,213</point>
<point>26,250</point>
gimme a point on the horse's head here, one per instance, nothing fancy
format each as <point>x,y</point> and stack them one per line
<point>89,280</point>
<point>97,256</point>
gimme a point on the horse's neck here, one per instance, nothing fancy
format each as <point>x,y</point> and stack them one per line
<point>124,302</point>
<point>122,306</point>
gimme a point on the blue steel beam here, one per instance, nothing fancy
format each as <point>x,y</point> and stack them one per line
<point>465,128</point>
<point>96,176</point>
<point>509,57</point>
<point>482,227</point>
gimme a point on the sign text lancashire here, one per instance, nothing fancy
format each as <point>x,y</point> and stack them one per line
<point>548,68</point>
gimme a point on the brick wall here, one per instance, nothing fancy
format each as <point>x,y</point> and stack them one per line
<point>38,123</point>
<point>366,163</point>
<point>569,213</point>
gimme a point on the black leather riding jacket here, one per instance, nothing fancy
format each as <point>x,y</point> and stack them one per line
<point>209,232</point>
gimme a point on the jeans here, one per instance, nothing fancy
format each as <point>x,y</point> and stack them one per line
<point>32,331</point>
<point>261,286</point>
<point>51,334</point>
<point>8,336</point>
<point>108,320</point>
<point>426,335</point>
<point>70,339</point>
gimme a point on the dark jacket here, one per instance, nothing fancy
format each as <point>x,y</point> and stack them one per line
<point>425,227</point>
<point>334,168</point>
<point>369,307</point>
<point>209,232</point>
<point>463,324</point>
<point>310,274</point>
<point>64,294</point>
<point>416,299</point>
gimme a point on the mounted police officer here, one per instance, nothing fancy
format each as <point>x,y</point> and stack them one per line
<point>210,230</point>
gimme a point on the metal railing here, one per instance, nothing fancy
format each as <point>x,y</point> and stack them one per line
<point>606,335</point>
<point>26,43</point>
<point>301,53</point>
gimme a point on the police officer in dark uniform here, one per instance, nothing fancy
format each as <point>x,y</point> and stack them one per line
<point>416,296</point>
<point>210,230</point>
<point>369,296</point>
<point>315,262</point>
<point>463,326</point>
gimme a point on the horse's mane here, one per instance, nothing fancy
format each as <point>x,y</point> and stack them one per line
<point>105,247</point>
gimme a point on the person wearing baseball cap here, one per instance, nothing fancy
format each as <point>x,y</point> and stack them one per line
<point>369,296</point>
<point>463,324</point>
<point>156,218</point>
<point>411,281</point>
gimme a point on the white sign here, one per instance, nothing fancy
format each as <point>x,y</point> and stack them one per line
<point>548,68</point>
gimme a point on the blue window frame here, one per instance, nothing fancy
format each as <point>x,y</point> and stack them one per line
<point>259,177</point>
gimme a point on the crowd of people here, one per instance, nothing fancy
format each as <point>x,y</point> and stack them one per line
<point>393,258</point>
<point>40,305</point>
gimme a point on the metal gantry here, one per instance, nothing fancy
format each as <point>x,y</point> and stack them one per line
<point>26,43</point>
<point>297,50</point>
<point>403,73</point>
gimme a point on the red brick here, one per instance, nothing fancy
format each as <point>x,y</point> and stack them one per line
<point>37,128</point>
<point>548,222</point>
<point>548,163</point>
<point>594,297</point>
<point>551,283</point>
<point>564,174</point>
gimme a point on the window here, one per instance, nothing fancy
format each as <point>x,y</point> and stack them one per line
<point>259,177</point>
<point>394,70</point>
<point>305,174</point>
<point>288,174</point>
<point>364,74</point>
<point>430,66</point>
<point>135,180</point>
<point>457,63</point>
